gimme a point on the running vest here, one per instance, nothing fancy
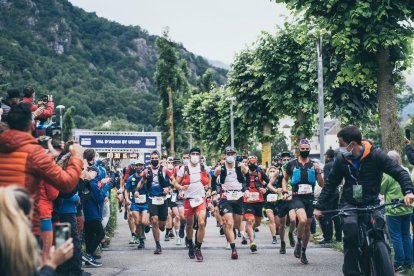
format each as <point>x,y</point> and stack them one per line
<point>301,173</point>
<point>257,182</point>
<point>223,174</point>
<point>150,178</point>
<point>204,176</point>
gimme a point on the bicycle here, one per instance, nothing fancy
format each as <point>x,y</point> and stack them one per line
<point>375,252</point>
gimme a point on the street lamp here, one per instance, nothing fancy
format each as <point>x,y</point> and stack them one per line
<point>321,104</point>
<point>60,107</point>
<point>190,133</point>
<point>231,99</point>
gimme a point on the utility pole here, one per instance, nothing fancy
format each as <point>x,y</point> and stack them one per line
<point>190,141</point>
<point>320,100</point>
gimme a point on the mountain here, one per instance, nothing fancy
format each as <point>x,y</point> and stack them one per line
<point>103,69</point>
<point>219,64</point>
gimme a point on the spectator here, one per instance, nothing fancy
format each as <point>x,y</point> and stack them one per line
<point>409,151</point>
<point>48,108</point>
<point>18,247</point>
<point>398,220</point>
<point>24,162</point>
<point>92,201</point>
<point>29,96</point>
<point>327,223</point>
<point>12,99</point>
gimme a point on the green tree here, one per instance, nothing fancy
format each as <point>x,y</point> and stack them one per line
<point>374,38</point>
<point>68,123</point>
<point>170,80</point>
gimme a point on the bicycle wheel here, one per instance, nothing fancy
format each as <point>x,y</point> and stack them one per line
<point>382,264</point>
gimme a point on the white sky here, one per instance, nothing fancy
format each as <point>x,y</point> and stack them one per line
<point>215,29</point>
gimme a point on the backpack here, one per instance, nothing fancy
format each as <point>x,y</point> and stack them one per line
<point>150,178</point>
<point>204,176</point>
<point>240,176</point>
<point>297,172</point>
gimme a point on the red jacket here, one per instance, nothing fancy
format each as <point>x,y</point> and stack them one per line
<point>30,101</point>
<point>24,162</point>
<point>48,193</point>
<point>48,112</point>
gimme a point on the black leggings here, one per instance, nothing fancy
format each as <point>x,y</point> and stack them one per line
<point>94,233</point>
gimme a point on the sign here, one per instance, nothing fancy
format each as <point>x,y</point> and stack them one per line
<point>118,142</point>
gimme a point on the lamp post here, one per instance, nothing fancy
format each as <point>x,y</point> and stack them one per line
<point>321,105</point>
<point>190,142</point>
<point>231,99</point>
<point>60,107</point>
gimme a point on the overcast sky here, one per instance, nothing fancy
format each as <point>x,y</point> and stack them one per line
<point>215,29</point>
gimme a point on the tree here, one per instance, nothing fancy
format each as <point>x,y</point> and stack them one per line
<point>374,37</point>
<point>170,82</point>
<point>68,123</point>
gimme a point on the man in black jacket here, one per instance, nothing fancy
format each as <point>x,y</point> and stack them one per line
<point>409,151</point>
<point>362,166</point>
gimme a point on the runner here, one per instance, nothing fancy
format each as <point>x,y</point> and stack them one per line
<point>177,203</point>
<point>231,178</point>
<point>154,178</point>
<point>304,173</point>
<point>180,199</point>
<point>173,213</point>
<point>128,213</point>
<point>137,200</point>
<point>242,228</point>
<point>192,179</point>
<point>277,209</point>
<point>253,199</point>
<point>169,225</point>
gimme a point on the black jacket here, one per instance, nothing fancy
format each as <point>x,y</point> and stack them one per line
<point>409,151</point>
<point>373,164</point>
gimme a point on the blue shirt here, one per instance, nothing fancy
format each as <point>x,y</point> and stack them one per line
<point>131,185</point>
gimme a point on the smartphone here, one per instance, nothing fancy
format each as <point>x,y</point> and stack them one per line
<point>408,134</point>
<point>61,234</point>
<point>56,137</point>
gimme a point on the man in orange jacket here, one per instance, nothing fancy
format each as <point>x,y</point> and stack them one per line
<point>24,162</point>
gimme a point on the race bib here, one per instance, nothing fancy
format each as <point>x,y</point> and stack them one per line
<point>194,202</point>
<point>254,196</point>
<point>271,197</point>
<point>174,197</point>
<point>357,191</point>
<point>305,189</point>
<point>157,200</point>
<point>234,195</point>
<point>141,199</point>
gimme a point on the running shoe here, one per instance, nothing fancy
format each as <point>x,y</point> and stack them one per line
<point>234,254</point>
<point>198,255</point>
<point>282,248</point>
<point>89,260</point>
<point>303,258</point>
<point>158,250</point>
<point>132,240</point>
<point>221,230</point>
<point>253,247</point>
<point>178,241</point>
<point>244,241</point>
<point>274,240</point>
<point>167,237</point>
<point>147,229</point>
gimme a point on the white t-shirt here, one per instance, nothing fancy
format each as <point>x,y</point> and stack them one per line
<point>231,183</point>
<point>196,188</point>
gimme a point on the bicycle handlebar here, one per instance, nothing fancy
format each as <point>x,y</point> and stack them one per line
<point>395,203</point>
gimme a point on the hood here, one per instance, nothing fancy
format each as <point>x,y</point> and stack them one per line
<point>11,140</point>
<point>367,151</point>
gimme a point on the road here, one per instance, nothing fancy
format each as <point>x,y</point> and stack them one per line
<point>124,259</point>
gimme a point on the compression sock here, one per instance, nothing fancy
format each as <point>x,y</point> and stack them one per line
<point>233,246</point>
<point>198,245</point>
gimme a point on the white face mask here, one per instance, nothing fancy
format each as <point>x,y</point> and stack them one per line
<point>271,174</point>
<point>170,166</point>
<point>230,159</point>
<point>195,159</point>
<point>186,161</point>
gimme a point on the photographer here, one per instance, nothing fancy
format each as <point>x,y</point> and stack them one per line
<point>47,106</point>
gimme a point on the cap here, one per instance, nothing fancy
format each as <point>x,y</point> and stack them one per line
<point>195,150</point>
<point>177,160</point>
<point>13,93</point>
<point>229,149</point>
<point>253,159</point>
<point>285,154</point>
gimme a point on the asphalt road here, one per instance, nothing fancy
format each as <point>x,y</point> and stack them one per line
<point>124,259</point>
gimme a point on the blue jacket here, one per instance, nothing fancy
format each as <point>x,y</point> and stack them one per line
<point>93,205</point>
<point>68,206</point>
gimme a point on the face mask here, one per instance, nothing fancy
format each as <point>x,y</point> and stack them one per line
<point>284,163</point>
<point>252,167</point>
<point>155,163</point>
<point>345,152</point>
<point>271,174</point>
<point>230,159</point>
<point>170,166</point>
<point>186,161</point>
<point>139,170</point>
<point>195,159</point>
<point>304,154</point>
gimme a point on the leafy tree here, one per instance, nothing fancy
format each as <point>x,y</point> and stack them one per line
<point>374,37</point>
<point>68,123</point>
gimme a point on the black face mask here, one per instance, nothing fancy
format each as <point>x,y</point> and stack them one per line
<point>155,163</point>
<point>139,170</point>
<point>304,154</point>
<point>252,167</point>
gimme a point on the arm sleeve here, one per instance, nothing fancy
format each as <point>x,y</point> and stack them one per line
<point>409,151</point>
<point>64,180</point>
<point>397,172</point>
<point>331,185</point>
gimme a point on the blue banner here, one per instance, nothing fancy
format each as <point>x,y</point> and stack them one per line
<point>118,142</point>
